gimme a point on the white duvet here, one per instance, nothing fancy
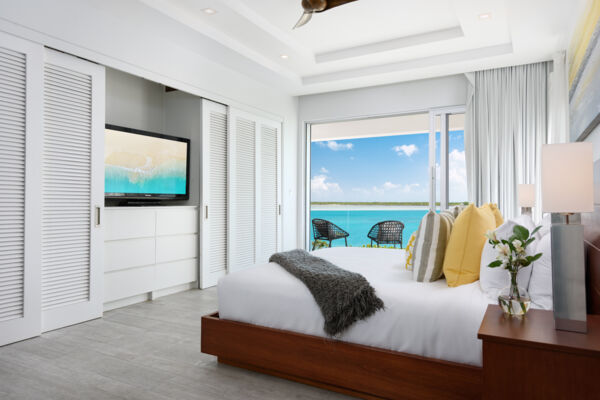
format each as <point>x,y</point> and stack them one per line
<point>426,319</point>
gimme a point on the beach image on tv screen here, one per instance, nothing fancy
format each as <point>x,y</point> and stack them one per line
<point>144,164</point>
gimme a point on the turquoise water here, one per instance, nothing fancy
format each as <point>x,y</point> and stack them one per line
<point>123,180</point>
<point>358,222</point>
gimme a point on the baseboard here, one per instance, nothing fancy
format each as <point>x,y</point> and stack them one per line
<point>173,289</point>
<point>140,298</point>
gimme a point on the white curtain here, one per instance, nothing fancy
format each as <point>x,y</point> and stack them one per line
<point>506,125</point>
<point>558,101</point>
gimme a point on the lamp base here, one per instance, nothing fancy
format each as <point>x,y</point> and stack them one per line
<point>568,273</point>
<point>570,325</point>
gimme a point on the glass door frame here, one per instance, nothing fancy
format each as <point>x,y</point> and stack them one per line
<point>443,114</point>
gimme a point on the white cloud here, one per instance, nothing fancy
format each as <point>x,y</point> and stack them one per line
<point>406,149</point>
<point>324,170</point>
<point>457,170</point>
<point>390,186</point>
<point>336,146</point>
<point>319,184</point>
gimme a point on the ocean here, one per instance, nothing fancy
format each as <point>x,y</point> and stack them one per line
<point>358,221</point>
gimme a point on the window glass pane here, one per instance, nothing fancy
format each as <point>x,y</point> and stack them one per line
<point>365,174</point>
<point>457,171</point>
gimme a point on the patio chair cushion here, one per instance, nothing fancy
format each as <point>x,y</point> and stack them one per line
<point>430,246</point>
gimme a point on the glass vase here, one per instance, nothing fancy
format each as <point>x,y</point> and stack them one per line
<point>514,300</point>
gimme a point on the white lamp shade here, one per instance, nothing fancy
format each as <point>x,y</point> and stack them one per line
<point>568,178</point>
<point>526,194</point>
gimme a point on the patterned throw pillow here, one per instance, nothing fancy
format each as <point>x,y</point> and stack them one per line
<point>410,247</point>
<point>456,210</point>
<point>430,246</point>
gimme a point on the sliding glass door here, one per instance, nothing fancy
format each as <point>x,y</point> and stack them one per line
<point>447,158</point>
<point>364,172</point>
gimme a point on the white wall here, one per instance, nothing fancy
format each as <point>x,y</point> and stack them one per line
<point>381,100</point>
<point>134,102</point>
<point>398,98</point>
<point>128,36</point>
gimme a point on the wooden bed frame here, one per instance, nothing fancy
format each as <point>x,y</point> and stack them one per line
<point>362,371</point>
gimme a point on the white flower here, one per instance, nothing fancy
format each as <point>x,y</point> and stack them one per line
<point>518,246</point>
<point>491,235</point>
<point>503,251</point>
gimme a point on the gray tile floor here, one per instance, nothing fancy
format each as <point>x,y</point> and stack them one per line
<point>147,351</point>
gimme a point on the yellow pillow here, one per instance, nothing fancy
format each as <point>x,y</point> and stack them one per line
<point>409,251</point>
<point>493,207</point>
<point>462,260</point>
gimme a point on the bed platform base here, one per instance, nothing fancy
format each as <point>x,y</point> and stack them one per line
<point>356,370</point>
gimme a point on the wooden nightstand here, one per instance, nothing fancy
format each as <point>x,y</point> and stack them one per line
<point>528,359</point>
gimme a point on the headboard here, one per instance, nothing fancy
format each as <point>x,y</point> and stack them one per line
<point>591,232</point>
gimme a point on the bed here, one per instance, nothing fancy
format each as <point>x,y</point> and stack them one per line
<point>423,345</point>
<point>425,319</point>
<point>267,323</point>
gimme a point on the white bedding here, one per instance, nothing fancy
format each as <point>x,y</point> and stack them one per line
<point>426,319</point>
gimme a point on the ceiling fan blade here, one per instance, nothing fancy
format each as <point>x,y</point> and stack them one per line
<point>335,3</point>
<point>306,16</point>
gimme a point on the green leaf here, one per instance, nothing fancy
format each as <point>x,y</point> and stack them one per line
<point>536,230</point>
<point>534,258</point>
<point>521,233</point>
<point>495,264</point>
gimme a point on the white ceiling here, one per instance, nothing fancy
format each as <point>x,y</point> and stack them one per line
<point>371,42</point>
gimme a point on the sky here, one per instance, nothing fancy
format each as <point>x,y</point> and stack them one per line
<point>382,169</point>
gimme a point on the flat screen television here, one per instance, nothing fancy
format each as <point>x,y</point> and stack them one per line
<point>144,165</point>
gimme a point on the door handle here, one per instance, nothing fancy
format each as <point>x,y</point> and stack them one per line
<point>205,212</point>
<point>97,216</point>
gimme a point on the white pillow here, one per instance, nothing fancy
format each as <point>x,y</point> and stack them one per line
<point>540,284</point>
<point>492,280</point>
<point>545,229</point>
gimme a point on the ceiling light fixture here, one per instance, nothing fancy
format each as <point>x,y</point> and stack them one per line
<point>485,16</point>
<point>209,11</point>
<point>284,56</point>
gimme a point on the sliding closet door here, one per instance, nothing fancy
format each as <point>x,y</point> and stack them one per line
<point>214,235</point>
<point>269,195</point>
<point>255,189</point>
<point>72,191</point>
<point>242,189</point>
<point>20,148</point>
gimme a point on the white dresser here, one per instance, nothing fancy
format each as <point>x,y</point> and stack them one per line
<point>149,252</point>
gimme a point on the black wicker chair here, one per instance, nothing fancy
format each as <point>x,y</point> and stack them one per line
<point>328,231</point>
<point>386,232</point>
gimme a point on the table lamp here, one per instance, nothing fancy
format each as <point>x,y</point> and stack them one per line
<point>526,197</point>
<point>567,191</point>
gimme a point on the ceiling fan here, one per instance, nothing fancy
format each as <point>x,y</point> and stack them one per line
<point>317,6</point>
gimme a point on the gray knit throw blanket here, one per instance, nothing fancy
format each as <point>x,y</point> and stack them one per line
<point>344,297</point>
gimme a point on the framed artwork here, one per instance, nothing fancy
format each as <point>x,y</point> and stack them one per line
<point>584,78</point>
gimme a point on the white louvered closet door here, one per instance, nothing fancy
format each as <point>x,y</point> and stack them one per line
<point>269,194</point>
<point>72,191</point>
<point>242,190</point>
<point>214,213</point>
<point>20,137</point>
